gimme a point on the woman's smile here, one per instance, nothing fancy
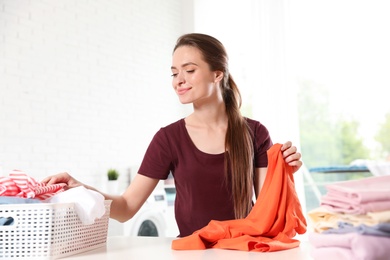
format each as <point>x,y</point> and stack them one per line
<point>182,90</point>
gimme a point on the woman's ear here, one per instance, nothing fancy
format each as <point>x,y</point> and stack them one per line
<point>218,76</point>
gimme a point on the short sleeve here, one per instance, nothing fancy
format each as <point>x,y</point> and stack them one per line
<point>262,142</point>
<point>157,160</point>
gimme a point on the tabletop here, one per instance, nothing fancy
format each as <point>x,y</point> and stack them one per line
<point>126,247</point>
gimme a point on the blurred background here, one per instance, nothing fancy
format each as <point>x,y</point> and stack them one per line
<point>84,85</point>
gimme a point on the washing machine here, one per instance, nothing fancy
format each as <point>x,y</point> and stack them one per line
<point>150,220</point>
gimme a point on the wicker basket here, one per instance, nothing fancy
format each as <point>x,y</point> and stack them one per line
<point>49,231</point>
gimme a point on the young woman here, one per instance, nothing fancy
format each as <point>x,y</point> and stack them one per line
<point>218,157</point>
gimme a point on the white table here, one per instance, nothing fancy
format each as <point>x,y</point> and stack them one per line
<point>145,248</point>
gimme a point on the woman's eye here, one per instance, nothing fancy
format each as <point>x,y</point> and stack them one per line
<point>174,75</point>
<point>190,71</point>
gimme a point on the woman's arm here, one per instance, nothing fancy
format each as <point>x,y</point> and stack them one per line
<point>259,178</point>
<point>123,207</point>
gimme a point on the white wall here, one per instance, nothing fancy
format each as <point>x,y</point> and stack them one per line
<point>84,85</point>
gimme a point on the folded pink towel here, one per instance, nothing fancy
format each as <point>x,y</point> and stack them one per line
<point>338,206</point>
<point>358,196</point>
<point>349,246</point>
<point>19,184</point>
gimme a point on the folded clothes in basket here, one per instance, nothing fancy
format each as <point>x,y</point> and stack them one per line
<point>19,184</point>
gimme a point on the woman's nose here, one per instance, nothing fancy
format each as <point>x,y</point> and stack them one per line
<point>180,78</point>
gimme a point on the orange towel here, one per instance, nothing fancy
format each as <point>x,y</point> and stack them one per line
<point>270,226</point>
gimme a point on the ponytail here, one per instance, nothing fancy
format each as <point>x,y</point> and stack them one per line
<point>239,147</point>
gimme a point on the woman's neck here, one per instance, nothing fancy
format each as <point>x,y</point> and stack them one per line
<point>209,115</point>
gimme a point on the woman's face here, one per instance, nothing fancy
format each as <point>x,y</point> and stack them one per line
<point>192,78</point>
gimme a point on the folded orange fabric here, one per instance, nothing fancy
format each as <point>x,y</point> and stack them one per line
<point>272,223</point>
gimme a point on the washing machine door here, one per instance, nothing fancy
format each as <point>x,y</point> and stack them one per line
<point>147,222</point>
<point>150,220</point>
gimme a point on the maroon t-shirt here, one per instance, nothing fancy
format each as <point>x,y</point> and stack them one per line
<point>202,192</point>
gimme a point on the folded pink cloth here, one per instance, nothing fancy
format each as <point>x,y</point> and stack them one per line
<point>340,253</point>
<point>338,206</point>
<point>349,246</point>
<point>19,184</point>
<point>358,196</point>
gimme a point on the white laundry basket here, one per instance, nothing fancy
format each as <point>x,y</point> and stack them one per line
<point>49,231</point>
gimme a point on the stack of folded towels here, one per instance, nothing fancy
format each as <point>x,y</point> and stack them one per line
<point>353,220</point>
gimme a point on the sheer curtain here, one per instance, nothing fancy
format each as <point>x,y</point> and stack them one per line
<point>274,93</point>
<point>255,34</point>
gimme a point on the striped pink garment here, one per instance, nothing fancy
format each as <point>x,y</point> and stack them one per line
<point>19,184</point>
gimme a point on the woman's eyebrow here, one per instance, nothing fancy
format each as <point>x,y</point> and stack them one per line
<point>185,65</point>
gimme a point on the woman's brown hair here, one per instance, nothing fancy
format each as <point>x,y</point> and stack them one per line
<point>238,141</point>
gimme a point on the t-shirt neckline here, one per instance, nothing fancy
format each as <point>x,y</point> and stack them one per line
<point>183,124</point>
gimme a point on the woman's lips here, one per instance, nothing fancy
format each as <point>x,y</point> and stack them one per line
<point>182,91</point>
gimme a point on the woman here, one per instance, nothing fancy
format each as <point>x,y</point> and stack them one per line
<point>217,157</point>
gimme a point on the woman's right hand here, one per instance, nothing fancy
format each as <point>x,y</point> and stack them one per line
<point>63,177</point>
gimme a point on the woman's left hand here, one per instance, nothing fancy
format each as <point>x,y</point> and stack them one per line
<point>291,156</point>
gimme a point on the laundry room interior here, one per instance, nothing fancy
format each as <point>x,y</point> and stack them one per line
<point>86,85</point>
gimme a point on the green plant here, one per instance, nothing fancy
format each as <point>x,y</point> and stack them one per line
<point>112,174</point>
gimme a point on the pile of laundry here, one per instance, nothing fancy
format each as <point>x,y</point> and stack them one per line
<point>20,188</point>
<point>353,220</point>
<point>19,184</point>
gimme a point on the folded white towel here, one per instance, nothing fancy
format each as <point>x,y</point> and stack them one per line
<point>89,204</point>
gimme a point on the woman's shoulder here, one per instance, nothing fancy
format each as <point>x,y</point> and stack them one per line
<point>260,134</point>
<point>169,133</point>
<point>172,127</point>
<point>255,125</point>
<point>172,130</point>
